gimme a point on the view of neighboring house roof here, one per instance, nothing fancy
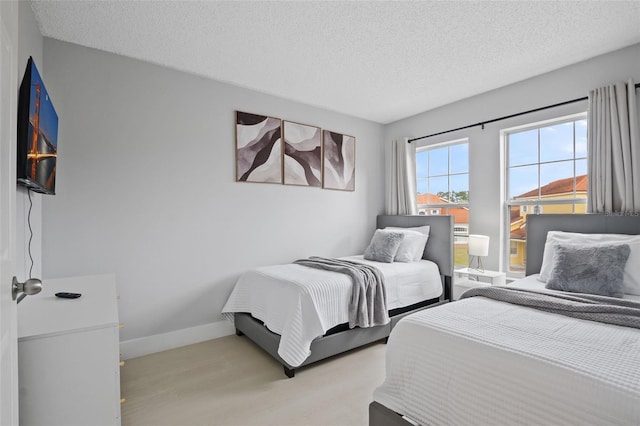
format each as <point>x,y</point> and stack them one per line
<point>460,214</point>
<point>427,198</point>
<point>519,233</point>
<point>515,214</point>
<point>557,187</point>
<point>560,186</point>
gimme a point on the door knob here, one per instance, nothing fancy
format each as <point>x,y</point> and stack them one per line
<point>29,287</point>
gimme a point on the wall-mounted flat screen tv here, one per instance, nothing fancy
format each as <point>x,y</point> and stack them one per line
<point>37,134</point>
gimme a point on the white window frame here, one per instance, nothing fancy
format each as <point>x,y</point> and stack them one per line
<point>433,207</point>
<point>459,237</point>
<point>537,205</point>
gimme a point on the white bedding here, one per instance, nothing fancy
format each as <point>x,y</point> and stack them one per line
<point>480,361</point>
<point>301,303</point>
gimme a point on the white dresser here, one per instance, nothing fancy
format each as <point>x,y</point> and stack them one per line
<point>68,354</point>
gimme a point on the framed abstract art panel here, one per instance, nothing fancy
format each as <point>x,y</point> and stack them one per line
<point>302,155</point>
<point>339,161</point>
<point>258,148</point>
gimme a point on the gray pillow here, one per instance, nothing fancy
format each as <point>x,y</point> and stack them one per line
<point>383,246</point>
<point>589,269</point>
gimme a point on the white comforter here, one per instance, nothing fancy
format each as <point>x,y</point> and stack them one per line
<point>483,362</point>
<point>301,303</point>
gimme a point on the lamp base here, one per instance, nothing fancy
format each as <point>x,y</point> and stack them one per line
<point>479,266</point>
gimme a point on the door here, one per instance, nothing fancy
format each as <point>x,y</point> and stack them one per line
<point>8,308</point>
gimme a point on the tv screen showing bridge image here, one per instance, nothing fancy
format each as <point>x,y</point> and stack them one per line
<point>38,142</point>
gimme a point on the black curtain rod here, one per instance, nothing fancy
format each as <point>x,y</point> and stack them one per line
<point>482,123</point>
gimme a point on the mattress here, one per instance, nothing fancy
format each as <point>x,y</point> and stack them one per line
<point>480,361</point>
<point>301,303</point>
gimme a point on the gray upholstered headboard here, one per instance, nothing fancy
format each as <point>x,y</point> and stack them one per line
<point>439,247</point>
<point>539,225</point>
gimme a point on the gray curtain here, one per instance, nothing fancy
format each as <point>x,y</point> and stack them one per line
<point>614,150</point>
<point>401,199</point>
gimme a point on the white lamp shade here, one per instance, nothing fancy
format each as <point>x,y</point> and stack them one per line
<point>478,245</point>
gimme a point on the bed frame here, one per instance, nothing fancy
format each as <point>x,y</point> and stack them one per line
<point>439,249</point>
<point>537,228</point>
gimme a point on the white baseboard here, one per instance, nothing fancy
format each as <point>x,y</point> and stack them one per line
<point>161,342</point>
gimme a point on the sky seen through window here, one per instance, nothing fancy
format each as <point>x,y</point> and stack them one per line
<point>550,153</point>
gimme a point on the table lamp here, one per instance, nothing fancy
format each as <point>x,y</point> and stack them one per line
<point>478,247</point>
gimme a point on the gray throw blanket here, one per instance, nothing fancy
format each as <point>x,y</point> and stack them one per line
<point>591,307</point>
<point>368,304</point>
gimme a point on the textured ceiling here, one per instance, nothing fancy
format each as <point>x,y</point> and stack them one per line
<point>378,60</point>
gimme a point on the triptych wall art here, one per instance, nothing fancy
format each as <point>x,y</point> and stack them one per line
<point>272,150</point>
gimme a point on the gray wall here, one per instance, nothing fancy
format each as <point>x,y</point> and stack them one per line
<point>29,44</point>
<point>146,188</point>
<point>486,202</point>
<point>146,185</point>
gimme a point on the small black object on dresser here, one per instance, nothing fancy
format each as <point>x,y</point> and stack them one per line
<point>66,295</point>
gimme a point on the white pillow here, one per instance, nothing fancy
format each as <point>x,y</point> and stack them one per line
<point>423,229</point>
<point>412,245</point>
<point>631,271</point>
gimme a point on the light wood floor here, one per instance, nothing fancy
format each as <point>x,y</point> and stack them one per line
<point>230,381</point>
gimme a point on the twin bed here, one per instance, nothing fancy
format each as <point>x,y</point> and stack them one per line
<point>475,361</point>
<point>300,315</point>
<point>483,361</point>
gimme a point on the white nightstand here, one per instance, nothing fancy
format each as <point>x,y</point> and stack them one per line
<point>467,278</point>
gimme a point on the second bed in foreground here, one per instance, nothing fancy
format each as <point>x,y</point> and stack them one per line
<point>482,361</point>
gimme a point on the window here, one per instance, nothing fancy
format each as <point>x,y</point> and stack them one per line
<point>442,176</point>
<point>546,171</point>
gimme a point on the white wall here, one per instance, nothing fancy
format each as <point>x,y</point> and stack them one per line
<point>29,44</point>
<point>146,189</point>
<point>486,208</point>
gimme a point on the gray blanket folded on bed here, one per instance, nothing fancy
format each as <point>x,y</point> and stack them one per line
<point>591,307</point>
<point>368,304</point>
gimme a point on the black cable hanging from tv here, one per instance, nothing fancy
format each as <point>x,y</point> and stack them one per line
<point>30,233</point>
<point>482,123</point>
